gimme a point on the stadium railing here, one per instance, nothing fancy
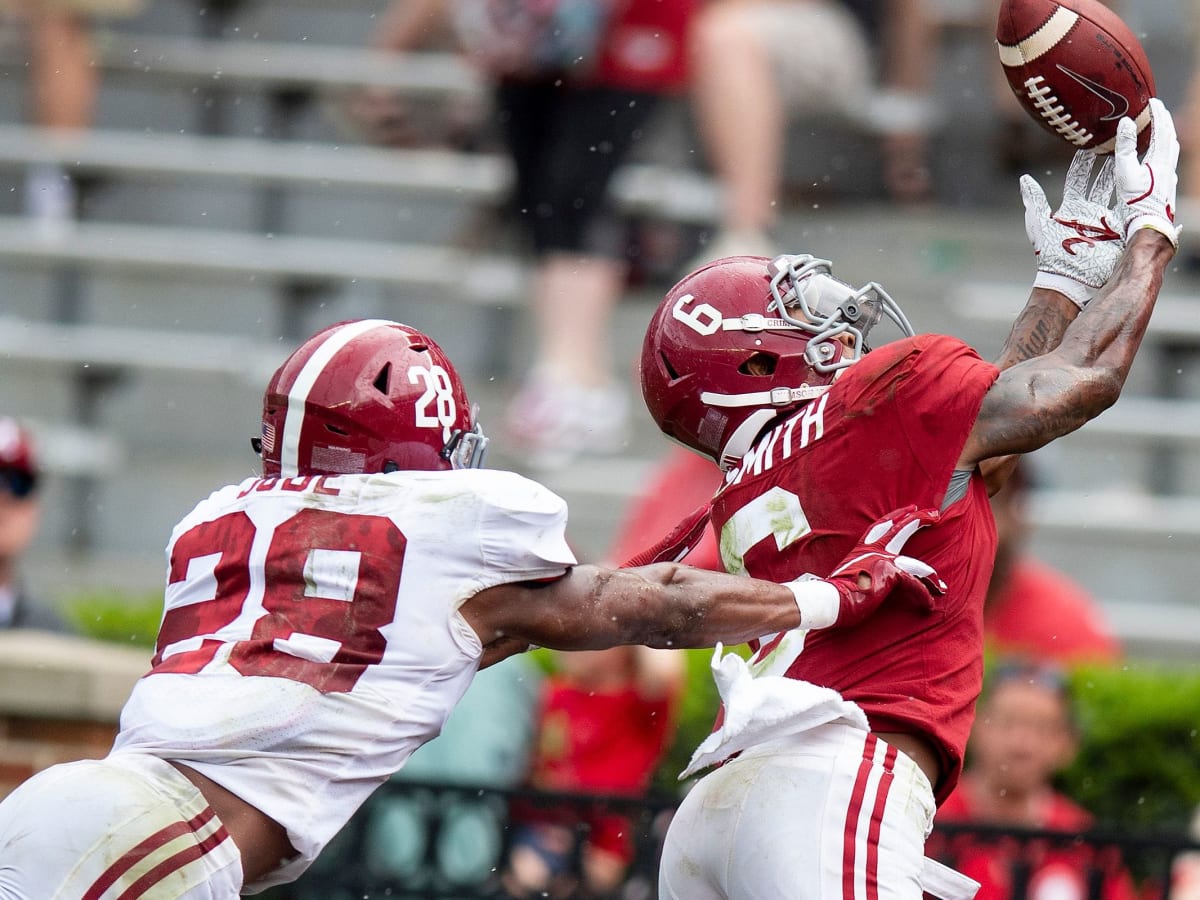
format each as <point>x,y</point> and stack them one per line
<point>439,841</point>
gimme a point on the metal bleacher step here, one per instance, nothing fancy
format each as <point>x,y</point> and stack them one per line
<point>643,189</point>
<point>487,280</point>
<point>1176,315</point>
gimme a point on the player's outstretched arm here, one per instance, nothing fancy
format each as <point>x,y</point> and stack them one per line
<point>672,605</point>
<point>1042,398</point>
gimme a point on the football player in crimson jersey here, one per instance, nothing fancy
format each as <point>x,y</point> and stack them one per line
<point>832,771</point>
<point>321,622</point>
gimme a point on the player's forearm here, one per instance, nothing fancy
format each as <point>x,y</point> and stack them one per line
<point>1039,328</point>
<point>1046,397</point>
<point>684,607</point>
<point>1108,333</point>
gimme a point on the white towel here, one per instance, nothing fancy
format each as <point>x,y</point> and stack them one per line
<point>765,708</point>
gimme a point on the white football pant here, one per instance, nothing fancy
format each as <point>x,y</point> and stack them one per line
<point>127,826</point>
<point>831,814</point>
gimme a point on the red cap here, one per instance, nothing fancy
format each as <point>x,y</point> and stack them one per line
<point>16,447</point>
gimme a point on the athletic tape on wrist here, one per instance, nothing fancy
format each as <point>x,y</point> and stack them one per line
<point>1075,291</point>
<point>1155,223</point>
<point>818,601</point>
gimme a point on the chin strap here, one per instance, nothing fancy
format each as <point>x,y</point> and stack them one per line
<point>756,322</point>
<point>780,396</point>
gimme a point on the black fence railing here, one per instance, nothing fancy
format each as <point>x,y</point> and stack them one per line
<point>427,841</point>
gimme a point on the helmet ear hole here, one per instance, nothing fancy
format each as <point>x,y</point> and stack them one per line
<point>383,378</point>
<point>759,364</point>
<point>670,368</point>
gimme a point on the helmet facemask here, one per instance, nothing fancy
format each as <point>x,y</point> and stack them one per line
<point>466,449</point>
<point>805,294</point>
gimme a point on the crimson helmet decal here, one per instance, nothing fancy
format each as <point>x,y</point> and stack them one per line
<point>367,396</point>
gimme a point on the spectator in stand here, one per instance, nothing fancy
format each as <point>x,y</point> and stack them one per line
<point>758,63</point>
<point>20,511</point>
<point>1032,609</point>
<point>571,103</point>
<point>64,80</point>
<point>607,717</point>
<point>1025,733</point>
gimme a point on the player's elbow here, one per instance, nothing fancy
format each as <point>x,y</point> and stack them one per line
<point>1104,389</point>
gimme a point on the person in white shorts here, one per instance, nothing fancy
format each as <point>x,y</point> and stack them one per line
<point>321,622</point>
<point>758,65</point>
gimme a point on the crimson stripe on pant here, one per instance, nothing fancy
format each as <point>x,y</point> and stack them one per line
<point>850,835</point>
<point>858,800</point>
<point>143,849</point>
<point>173,864</point>
<point>881,795</point>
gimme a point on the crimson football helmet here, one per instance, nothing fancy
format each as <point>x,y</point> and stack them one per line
<point>367,396</point>
<point>745,338</point>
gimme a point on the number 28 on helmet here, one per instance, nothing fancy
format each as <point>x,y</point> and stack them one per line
<point>744,339</point>
<point>367,396</point>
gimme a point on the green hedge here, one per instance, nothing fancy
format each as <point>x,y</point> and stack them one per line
<point>116,617</point>
<point>1139,764</point>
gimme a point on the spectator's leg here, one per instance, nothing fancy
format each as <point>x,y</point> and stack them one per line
<point>741,120</point>
<point>566,147</point>
<point>64,85</point>
<point>65,78</point>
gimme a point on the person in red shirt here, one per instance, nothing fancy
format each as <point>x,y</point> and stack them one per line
<point>606,719</point>
<point>1032,609</point>
<point>1025,732</point>
<point>842,736</point>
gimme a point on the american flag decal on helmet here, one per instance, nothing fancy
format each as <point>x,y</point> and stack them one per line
<point>268,437</point>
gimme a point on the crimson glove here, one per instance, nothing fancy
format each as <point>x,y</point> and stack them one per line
<point>842,600</point>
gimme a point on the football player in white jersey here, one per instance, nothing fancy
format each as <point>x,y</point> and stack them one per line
<point>321,622</point>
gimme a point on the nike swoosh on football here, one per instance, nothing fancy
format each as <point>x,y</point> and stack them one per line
<point>1120,106</point>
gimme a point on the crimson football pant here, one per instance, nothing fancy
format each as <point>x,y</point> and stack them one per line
<point>129,826</point>
<point>831,814</point>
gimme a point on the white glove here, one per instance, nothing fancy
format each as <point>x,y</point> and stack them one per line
<point>1147,188</point>
<point>1079,246</point>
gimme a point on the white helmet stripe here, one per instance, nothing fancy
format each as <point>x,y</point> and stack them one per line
<point>293,423</point>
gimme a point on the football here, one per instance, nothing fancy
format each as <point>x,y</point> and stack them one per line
<point>1076,68</point>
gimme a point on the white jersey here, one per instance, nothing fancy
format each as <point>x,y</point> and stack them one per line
<point>311,637</point>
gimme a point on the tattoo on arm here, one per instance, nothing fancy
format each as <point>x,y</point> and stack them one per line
<point>1038,329</point>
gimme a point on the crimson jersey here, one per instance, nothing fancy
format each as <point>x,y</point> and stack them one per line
<point>887,434</point>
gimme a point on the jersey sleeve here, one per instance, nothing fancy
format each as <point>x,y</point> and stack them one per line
<point>936,385</point>
<point>944,396</point>
<point>522,530</point>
